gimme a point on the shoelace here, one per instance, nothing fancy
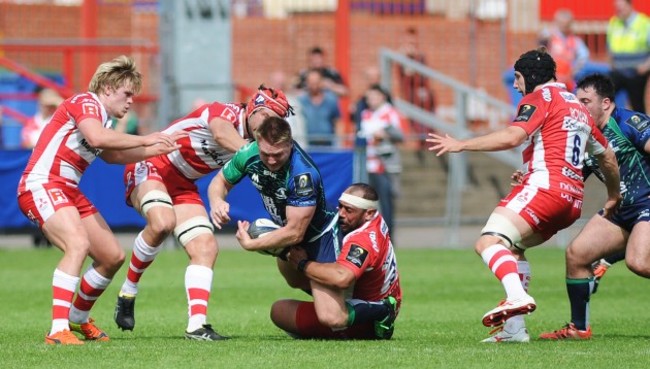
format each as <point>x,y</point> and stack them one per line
<point>496,330</point>
<point>563,332</point>
<point>128,307</point>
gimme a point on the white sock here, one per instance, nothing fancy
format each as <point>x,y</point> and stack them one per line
<point>63,284</point>
<point>93,283</point>
<point>503,264</point>
<point>142,253</point>
<point>517,322</point>
<point>198,284</point>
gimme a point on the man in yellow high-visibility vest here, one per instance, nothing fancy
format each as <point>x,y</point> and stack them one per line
<point>628,42</point>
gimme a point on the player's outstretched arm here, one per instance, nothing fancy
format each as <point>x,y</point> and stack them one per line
<point>503,139</point>
<point>134,155</point>
<point>103,138</point>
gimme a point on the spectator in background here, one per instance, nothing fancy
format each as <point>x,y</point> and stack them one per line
<point>380,126</point>
<point>332,79</point>
<point>296,121</point>
<point>373,77</point>
<point>48,101</point>
<point>320,110</point>
<point>628,43</point>
<point>415,87</point>
<point>568,50</point>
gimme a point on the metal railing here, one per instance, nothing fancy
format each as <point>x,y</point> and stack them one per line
<point>464,96</point>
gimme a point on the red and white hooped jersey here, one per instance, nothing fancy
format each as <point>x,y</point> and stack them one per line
<point>200,154</point>
<point>62,153</point>
<point>559,130</point>
<point>368,252</point>
<point>371,123</point>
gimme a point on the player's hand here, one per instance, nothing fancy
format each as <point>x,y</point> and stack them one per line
<point>517,178</point>
<point>444,144</point>
<point>220,213</point>
<point>164,139</point>
<point>611,206</point>
<point>156,150</point>
<point>242,234</point>
<point>296,254</point>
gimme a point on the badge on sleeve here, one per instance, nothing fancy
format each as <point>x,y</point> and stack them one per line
<point>638,122</point>
<point>525,112</point>
<point>357,255</point>
<point>90,109</point>
<point>303,184</point>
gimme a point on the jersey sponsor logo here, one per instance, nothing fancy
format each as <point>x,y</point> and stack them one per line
<point>214,155</point>
<point>228,114</point>
<point>57,196</point>
<point>281,193</point>
<point>568,96</point>
<point>644,214</point>
<point>571,188</point>
<point>546,94</point>
<point>32,218</point>
<point>357,255</point>
<point>42,203</point>
<point>303,184</point>
<point>525,112</point>
<point>567,197</point>
<point>571,174</point>
<point>91,149</point>
<point>90,108</point>
<point>638,122</point>
<point>579,115</point>
<point>532,215</point>
<point>373,240</point>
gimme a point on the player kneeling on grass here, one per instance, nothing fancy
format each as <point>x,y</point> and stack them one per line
<point>366,270</point>
<point>293,194</point>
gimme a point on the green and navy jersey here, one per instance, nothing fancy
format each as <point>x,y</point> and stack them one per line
<point>298,184</point>
<point>627,133</point>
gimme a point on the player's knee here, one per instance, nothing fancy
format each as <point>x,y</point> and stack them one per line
<point>576,256</point>
<point>118,259</point>
<point>284,314</point>
<point>278,313</point>
<point>162,224</point>
<point>156,207</point>
<point>193,228</point>
<point>77,245</point>
<point>202,249</point>
<point>638,266</point>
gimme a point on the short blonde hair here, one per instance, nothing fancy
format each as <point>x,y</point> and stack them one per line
<point>116,73</point>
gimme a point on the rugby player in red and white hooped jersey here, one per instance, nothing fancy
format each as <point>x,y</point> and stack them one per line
<point>364,293</point>
<point>558,130</point>
<point>48,192</point>
<point>163,190</point>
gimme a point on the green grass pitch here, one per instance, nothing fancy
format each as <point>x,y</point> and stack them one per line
<point>446,293</point>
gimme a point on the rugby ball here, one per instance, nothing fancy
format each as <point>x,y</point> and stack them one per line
<point>260,228</point>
